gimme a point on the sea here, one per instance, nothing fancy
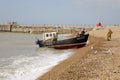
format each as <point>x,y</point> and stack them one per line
<point>22,59</point>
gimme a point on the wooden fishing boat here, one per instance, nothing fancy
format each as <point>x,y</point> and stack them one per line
<point>50,42</point>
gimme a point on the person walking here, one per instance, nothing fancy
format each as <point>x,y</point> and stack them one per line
<point>109,35</point>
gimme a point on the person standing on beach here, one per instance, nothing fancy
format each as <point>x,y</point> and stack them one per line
<point>83,31</point>
<point>109,35</point>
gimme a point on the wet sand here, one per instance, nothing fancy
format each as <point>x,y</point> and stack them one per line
<point>98,60</point>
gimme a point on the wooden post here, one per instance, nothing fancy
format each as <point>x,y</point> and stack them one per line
<point>11,27</point>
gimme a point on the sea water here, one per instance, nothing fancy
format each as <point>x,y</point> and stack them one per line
<point>21,59</point>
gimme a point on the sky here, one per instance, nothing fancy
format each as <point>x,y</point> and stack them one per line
<point>60,12</point>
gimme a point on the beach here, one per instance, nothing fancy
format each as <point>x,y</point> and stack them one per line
<point>98,60</point>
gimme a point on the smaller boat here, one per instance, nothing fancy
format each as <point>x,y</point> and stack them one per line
<point>51,41</point>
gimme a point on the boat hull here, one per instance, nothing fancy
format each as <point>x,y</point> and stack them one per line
<point>70,46</point>
<point>76,42</point>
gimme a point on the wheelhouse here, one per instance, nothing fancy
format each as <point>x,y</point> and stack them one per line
<point>49,35</point>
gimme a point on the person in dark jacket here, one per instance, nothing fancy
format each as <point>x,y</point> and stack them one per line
<point>83,31</point>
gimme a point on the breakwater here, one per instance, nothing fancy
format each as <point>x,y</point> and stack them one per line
<point>42,29</point>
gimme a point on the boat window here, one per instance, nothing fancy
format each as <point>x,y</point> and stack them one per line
<point>46,35</point>
<point>50,34</point>
<point>54,34</point>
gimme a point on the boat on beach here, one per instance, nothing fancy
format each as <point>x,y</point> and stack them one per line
<point>51,41</point>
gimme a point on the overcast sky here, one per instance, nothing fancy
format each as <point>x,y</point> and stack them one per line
<point>72,12</point>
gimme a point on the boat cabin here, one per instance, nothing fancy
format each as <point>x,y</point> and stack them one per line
<point>49,35</point>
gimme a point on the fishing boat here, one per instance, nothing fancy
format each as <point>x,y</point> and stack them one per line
<point>50,40</point>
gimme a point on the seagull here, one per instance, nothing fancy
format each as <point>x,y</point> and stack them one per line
<point>95,51</point>
<point>109,51</point>
<point>91,47</point>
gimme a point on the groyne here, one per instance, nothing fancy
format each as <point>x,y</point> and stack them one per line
<point>42,29</point>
